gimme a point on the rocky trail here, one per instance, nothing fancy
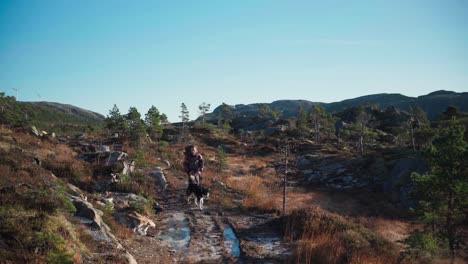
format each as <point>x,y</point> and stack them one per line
<point>186,234</point>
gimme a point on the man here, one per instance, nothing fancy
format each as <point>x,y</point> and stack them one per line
<point>193,164</point>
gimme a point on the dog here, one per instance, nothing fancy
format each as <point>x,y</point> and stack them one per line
<point>198,193</point>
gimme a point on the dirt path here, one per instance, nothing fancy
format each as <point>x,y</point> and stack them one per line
<point>186,234</point>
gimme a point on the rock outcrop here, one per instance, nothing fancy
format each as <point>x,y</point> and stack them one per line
<point>158,175</point>
<point>99,230</point>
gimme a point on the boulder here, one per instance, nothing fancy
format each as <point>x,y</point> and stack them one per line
<point>35,131</point>
<point>158,174</point>
<point>85,209</point>
<point>139,223</point>
<point>129,167</point>
<point>115,157</point>
<point>103,148</point>
<point>124,201</point>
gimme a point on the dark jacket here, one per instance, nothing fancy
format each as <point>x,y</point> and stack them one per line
<point>193,164</point>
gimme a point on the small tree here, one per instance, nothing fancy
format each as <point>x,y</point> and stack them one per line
<point>136,127</point>
<point>224,117</point>
<point>184,114</point>
<point>416,121</point>
<point>264,110</point>
<point>443,191</point>
<point>115,122</point>
<point>301,117</point>
<point>361,125</point>
<point>153,123</point>
<point>220,158</point>
<point>164,120</point>
<point>10,111</point>
<point>317,115</point>
<point>204,108</point>
<point>285,152</point>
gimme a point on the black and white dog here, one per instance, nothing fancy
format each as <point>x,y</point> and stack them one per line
<point>198,193</point>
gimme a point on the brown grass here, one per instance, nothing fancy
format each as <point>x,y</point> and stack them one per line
<point>256,194</point>
<point>323,237</point>
<point>392,229</point>
<point>118,229</point>
<point>323,248</point>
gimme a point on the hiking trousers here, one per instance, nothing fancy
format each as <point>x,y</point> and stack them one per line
<point>195,178</point>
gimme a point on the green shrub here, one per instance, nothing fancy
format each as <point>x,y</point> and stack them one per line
<point>421,244</point>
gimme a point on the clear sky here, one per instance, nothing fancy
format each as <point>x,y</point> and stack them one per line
<point>94,54</point>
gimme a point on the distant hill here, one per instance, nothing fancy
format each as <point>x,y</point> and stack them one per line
<point>433,104</point>
<point>71,110</point>
<point>63,118</point>
<point>52,117</point>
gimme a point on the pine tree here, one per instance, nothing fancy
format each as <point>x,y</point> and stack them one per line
<point>136,127</point>
<point>220,158</point>
<point>301,118</point>
<point>153,123</point>
<point>115,122</point>
<point>443,191</point>
<point>224,117</point>
<point>362,120</point>
<point>317,114</point>
<point>184,114</point>
<point>204,108</point>
<point>264,110</point>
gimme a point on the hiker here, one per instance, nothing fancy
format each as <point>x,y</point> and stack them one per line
<point>193,164</point>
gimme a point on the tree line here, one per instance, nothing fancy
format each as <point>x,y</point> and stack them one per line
<point>133,127</point>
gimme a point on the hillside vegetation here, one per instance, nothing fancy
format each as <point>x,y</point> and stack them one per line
<point>51,117</point>
<point>361,185</point>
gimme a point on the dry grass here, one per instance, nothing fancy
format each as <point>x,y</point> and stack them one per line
<point>118,229</point>
<point>392,229</point>
<point>58,152</point>
<point>323,237</point>
<point>324,248</point>
<point>256,194</point>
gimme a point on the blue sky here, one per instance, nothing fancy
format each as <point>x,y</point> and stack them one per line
<point>94,54</point>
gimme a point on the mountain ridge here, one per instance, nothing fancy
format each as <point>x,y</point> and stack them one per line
<point>433,103</point>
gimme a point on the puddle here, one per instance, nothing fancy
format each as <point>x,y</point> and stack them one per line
<point>175,231</point>
<point>231,242</point>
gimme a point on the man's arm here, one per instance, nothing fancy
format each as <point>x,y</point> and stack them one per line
<point>201,163</point>
<point>186,166</point>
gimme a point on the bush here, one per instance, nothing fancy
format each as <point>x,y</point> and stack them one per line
<point>328,238</point>
<point>74,171</point>
<point>27,237</point>
<point>419,244</point>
